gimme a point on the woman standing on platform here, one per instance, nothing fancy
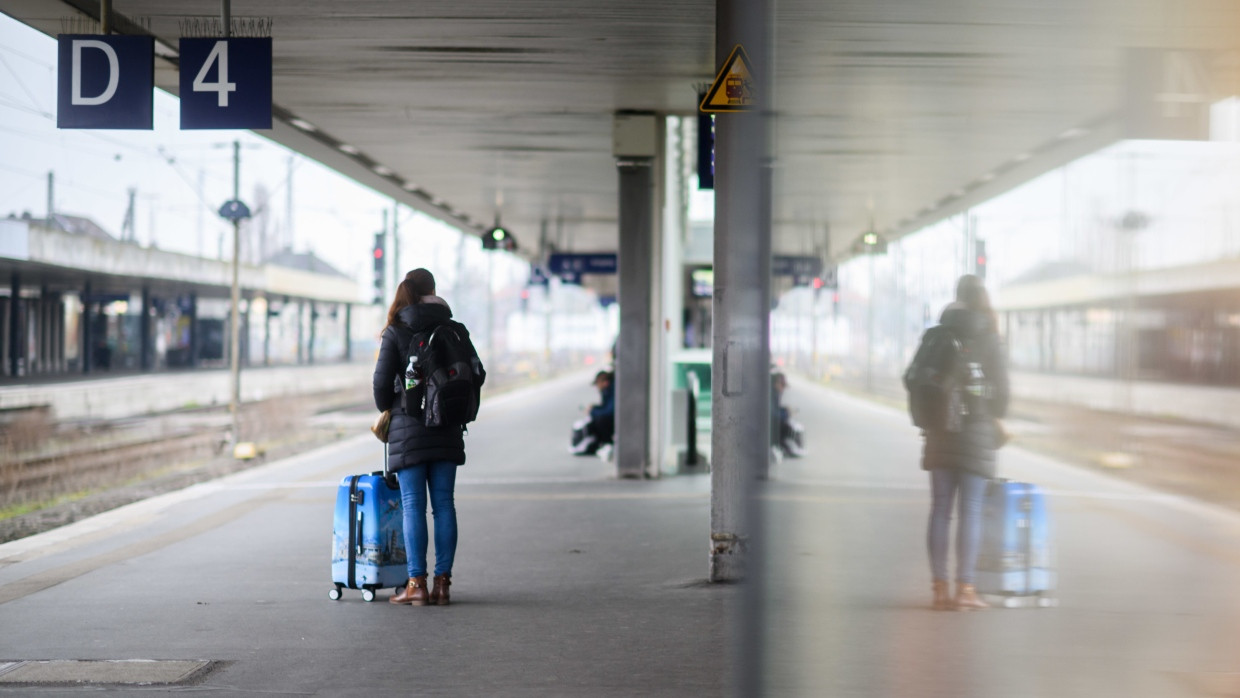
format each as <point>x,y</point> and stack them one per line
<point>424,458</point>
<point>961,462</point>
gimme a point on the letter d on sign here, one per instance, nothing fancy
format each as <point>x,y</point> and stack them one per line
<point>105,81</point>
<point>114,73</point>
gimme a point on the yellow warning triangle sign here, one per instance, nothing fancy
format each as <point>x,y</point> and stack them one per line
<point>733,89</point>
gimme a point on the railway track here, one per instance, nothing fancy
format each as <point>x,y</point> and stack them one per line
<point>46,476</point>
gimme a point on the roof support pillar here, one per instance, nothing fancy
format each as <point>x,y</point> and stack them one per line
<point>87,323</point>
<point>740,373</point>
<point>145,362</point>
<point>314,327</point>
<point>14,329</point>
<point>195,336</point>
<point>267,332</point>
<point>348,331</point>
<point>635,148</point>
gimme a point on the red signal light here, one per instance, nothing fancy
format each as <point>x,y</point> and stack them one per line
<point>378,253</point>
<point>817,282</point>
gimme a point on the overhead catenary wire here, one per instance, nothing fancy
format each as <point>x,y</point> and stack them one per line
<point>22,83</point>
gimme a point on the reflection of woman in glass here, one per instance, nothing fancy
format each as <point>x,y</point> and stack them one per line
<point>961,462</point>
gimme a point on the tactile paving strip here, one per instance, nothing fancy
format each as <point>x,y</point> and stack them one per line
<point>140,672</point>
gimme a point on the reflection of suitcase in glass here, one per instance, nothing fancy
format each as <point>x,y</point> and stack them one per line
<point>368,540</point>
<point>1015,558</point>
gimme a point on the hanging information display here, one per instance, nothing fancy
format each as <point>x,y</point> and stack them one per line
<point>105,82</point>
<point>226,83</point>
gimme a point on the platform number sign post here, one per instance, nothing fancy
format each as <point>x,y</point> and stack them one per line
<point>226,83</point>
<point>105,81</point>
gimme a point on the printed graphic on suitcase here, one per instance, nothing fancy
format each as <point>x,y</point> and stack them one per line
<point>1015,558</point>
<point>368,543</point>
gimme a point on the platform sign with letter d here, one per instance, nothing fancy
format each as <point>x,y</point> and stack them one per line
<point>226,83</point>
<point>105,81</point>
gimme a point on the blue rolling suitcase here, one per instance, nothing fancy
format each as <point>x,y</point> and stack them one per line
<point>368,541</point>
<point>1014,562</point>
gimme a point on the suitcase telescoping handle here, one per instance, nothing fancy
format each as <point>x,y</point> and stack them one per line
<point>389,477</point>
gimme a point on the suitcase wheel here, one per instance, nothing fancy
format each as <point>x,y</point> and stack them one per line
<point>334,594</point>
<point>368,594</point>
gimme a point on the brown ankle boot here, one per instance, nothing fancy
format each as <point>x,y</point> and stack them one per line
<point>439,591</point>
<point>942,596</point>
<point>967,599</point>
<point>414,593</point>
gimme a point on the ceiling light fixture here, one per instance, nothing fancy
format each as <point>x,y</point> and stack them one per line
<point>346,148</point>
<point>303,125</point>
<point>382,170</point>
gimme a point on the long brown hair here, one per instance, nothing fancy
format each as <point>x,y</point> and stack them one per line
<point>416,285</point>
<point>971,293</point>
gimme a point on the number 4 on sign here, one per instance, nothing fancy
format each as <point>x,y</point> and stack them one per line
<point>218,55</point>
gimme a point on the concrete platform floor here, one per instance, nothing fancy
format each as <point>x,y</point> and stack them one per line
<point>571,583</point>
<point>568,582</point>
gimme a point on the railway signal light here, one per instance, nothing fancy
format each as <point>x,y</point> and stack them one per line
<point>498,238</point>
<point>979,249</point>
<point>380,268</point>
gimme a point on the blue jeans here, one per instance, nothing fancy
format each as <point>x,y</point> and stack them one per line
<point>944,485</point>
<point>439,478</point>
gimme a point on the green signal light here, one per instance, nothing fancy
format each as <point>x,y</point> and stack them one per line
<point>871,238</point>
<point>498,234</point>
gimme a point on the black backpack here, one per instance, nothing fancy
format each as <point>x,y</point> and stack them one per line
<point>449,375</point>
<point>945,382</point>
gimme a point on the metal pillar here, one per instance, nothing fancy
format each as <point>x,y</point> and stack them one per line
<point>740,383</point>
<point>88,332</point>
<point>234,352</point>
<point>15,344</point>
<point>397,274</point>
<point>43,326</point>
<point>267,332</point>
<point>348,331</point>
<point>245,333</point>
<point>633,346</point>
<point>314,316</point>
<point>741,368</point>
<point>301,332</point>
<point>144,331</point>
<point>194,334</point>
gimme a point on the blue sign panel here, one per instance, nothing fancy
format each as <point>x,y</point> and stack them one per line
<point>706,149</point>
<point>795,266</point>
<point>226,83</point>
<point>562,264</point>
<point>105,81</point>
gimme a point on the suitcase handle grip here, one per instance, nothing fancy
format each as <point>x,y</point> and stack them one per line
<point>358,538</point>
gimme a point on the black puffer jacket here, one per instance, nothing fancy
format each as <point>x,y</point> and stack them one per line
<point>410,442</point>
<point>973,447</point>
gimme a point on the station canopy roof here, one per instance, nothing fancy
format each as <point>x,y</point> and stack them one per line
<point>889,113</point>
